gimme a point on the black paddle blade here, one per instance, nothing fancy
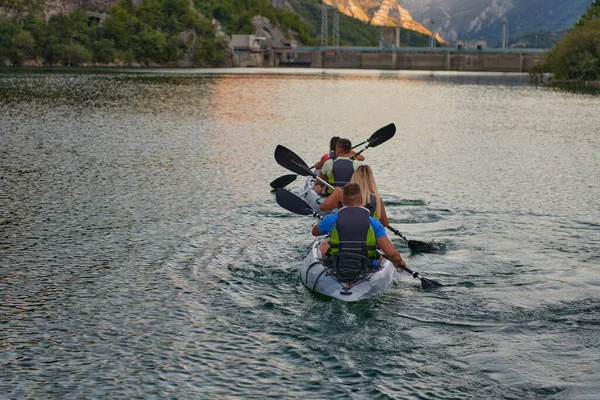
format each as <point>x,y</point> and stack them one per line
<point>425,283</point>
<point>291,202</point>
<point>430,284</point>
<point>283,181</point>
<point>290,160</point>
<point>417,246</point>
<point>422,247</point>
<point>382,135</point>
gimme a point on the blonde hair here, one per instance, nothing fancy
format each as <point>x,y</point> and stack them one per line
<point>363,177</point>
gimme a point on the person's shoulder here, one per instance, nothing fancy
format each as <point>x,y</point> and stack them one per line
<point>327,223</point>
<point>327,164</point>
<point>330,217</point>
<point>377,227</point>
<point>375,222</point>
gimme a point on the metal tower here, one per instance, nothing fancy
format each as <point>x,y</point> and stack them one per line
<point>336,27</point>
<point>504,33</point>
<point>324,34</point>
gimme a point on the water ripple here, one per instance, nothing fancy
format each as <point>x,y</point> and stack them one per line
<point>143,256</point>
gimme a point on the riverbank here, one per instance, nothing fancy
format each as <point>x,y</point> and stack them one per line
<point>573,83</point>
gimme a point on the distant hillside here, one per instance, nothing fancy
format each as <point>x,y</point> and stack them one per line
<point>482,19</point>
<point>353,32</point>
<point>537,39</point>
<point>380,13</point>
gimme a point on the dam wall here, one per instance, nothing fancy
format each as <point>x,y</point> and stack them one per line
<point>435,59</point>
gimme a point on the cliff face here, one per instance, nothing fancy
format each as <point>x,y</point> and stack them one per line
<point>380,13</point>
<point>53,7</point>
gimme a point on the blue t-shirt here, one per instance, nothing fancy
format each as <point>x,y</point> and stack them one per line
<point>326,225</point>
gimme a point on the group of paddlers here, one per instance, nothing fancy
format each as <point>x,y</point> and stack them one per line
<point>359,225</point>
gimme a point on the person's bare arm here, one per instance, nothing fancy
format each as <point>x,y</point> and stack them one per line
<point>319,164</point>
<point>390,251</point>
<point>333,200</point>
<point>315,230</point>
<point>358,157</point>
<point>383,218</point>
<point>319,184</point>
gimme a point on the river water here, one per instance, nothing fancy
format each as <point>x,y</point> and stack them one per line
<point>143,256</point>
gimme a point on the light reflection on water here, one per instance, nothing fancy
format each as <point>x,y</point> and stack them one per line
<point>142,255</point>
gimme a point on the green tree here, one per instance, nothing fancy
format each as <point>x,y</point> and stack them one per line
<point>104,50</point>
<point>149,45</point>
<point>22,47</point>
<point>577,56</point>
<point>8,29</point>
<point>121,25</point>
<point>70,54</point>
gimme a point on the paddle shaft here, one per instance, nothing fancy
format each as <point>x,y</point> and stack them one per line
<point>397,232</point>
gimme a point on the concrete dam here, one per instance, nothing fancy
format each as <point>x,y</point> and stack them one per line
<point>436,59</point>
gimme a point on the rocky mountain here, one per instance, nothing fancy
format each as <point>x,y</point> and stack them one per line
<point>482,19</point>
<point>464,19</point>
<point>380,13</point>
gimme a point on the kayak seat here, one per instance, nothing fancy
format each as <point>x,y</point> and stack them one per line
<point>350,267</point>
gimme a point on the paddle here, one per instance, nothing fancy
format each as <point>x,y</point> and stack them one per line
<point>283,181</point>
<point>416,245</point>
<point>295,204</point>
<point>380,136</point>
<point>290,160</point>
<point>425,283</point>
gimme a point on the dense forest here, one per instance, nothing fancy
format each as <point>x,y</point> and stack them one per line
<point>162,32</point>
<point>156,31</point>
<point>577,56</point>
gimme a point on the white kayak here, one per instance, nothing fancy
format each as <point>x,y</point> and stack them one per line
<point>319,278</point>
<point>312,198</point>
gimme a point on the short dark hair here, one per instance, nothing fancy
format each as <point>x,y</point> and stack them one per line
<point>352,194</point>
<point>333,142</point>
<point>345,145</point>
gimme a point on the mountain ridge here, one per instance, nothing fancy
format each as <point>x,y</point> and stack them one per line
<point>482,19</point>
<point>380,13</point>
<point>467,19</point>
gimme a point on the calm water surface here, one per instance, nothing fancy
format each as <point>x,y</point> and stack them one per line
<point>142,255</point>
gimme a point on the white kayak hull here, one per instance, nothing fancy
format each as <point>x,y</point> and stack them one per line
<point>312,198</point>
<point>317,277</point>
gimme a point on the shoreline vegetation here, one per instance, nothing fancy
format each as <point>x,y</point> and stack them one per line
<point>167,33</point>
<point>155,32</point>
<point>575,60</point>
<point>574,82</point>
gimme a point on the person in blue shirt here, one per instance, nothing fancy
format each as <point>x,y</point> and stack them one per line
<point>352,230</point>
